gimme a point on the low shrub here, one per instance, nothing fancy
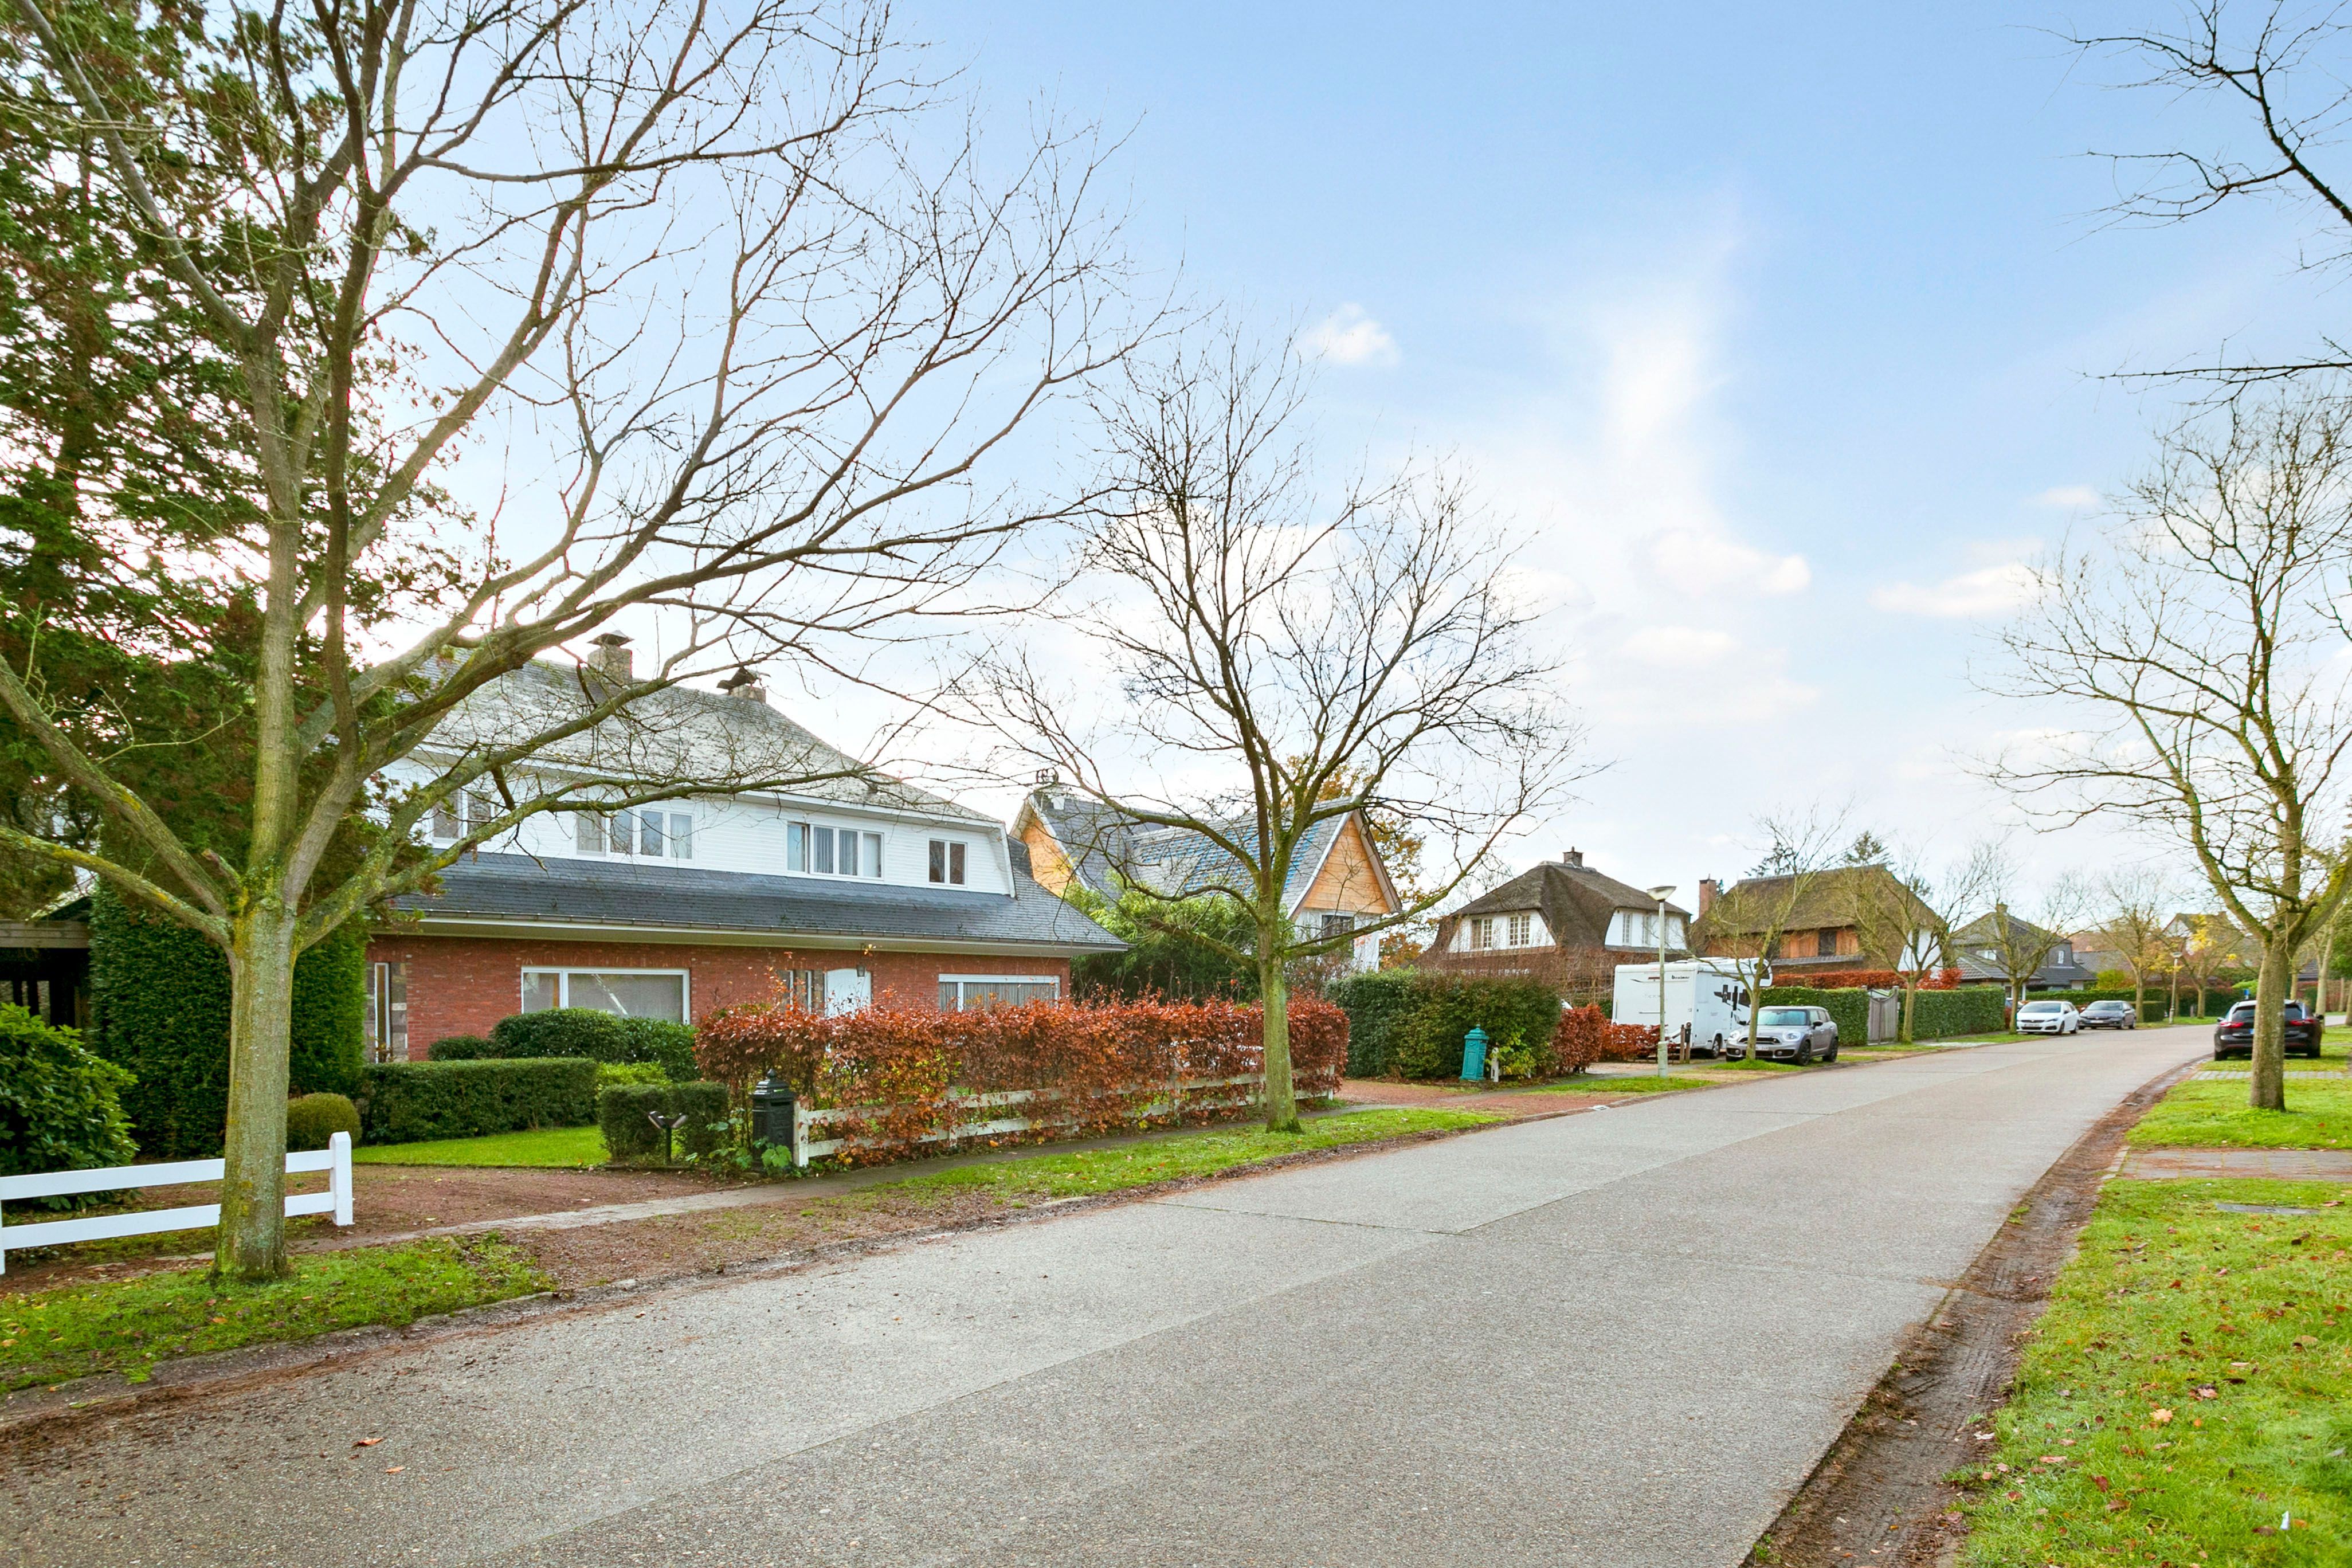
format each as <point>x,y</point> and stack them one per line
<point>312,1119</point>
<point>599,1037</point>
<point>624,1112</point>
<point>459,1049</point>
<point>1586,1035</point>
<point>904,1071</point>
<point>1417,1019</point>
<point>413,1102</point>
<point>60,1103</point>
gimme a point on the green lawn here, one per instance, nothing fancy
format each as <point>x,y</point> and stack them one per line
<point>1086,1173</point>
<point>1629,1083</point>
<point>2190,1385</point>
<point>569,1146</point>
<point>124,1325</point>
<point>2215,1115</point>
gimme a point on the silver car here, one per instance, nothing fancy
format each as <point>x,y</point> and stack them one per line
<point>1793,1034</point>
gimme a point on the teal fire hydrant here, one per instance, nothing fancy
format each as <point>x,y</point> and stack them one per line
<point>1473,1057</point>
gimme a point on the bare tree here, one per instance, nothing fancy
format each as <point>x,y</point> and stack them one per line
<point>1903,915</point>
<point>2210,946</point>
<point>2279,71</point>
<point>1269,643</point>
<point>2137,901</point>
<point>1802,845</point>
<point>2020,944</point>
<point>684,276</point>
<point>2200,642</point>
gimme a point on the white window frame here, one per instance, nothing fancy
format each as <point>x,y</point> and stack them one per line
<point>603,820</point>
<point>1482,933</point>
<point>961,981</point>
<point>799,830</point>
<point>564,982</point>
<point>1519,930</point>
<point>954,854</point>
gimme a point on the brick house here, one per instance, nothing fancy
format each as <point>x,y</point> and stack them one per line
<point>850,889</point>
<point>1562,920</point>
<point>1821,931</point>
<point>1337,880</point>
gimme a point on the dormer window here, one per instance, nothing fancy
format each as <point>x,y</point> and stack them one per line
<point>480,808</point>
<point>814,848</point>
<point>1520,931</point>
<point>648,834</point>
<point>946,862</point>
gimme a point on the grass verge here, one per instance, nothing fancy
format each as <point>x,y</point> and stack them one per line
<point>2188,1388</point>
<point>2215,1116</point>
<point>550,1146</point>
<point>125,1325</point>
<point>1090,1172</point>
<point>1628,1084</point>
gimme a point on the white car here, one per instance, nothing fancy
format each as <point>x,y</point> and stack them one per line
<point>2048,1018</point>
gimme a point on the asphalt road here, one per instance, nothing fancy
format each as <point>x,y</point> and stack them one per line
<point>1620,1339</point>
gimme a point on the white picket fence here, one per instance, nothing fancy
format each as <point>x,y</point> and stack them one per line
<point>991,1115</point>
<point>335,1159</point>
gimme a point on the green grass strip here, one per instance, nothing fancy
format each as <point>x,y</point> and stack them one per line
<point>2215,1115</point>
<point>124,1325</point>
<point>2190,1385</point>
<point>1088,1172</point>
<point>553,1146</point>
<point>1629,1083</point>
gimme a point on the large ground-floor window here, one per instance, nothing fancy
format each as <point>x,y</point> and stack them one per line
<point>630,992</point>
<point>959,993</point>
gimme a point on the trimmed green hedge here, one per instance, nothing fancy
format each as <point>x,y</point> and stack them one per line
<point>413,1102</point>
<point>459,1049</point>
<point>60,1103</point>
<point>160,1006</point>
<point>623,1110</point>
<point>599,1037</point>
<point>1970,1010</point>
<point>1411,1022</point>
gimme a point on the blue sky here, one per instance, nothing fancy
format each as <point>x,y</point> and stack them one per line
<point>1776,334</point>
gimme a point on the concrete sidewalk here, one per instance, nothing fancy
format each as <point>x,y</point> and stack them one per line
<point>1618,1339</point>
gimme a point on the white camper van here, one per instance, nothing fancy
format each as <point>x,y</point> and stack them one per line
<point>1709,996</point>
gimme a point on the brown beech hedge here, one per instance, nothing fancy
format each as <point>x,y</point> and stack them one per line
<point>1108,1065</point>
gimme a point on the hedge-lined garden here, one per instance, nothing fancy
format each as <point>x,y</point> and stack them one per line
<point>1408,1023</point>
<point>411,1103</point>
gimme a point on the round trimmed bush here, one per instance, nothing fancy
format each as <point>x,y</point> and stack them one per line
<point>599,1037</point>
<point>312,1119</point>
<point>60,1102</point>
<point>459,1049</point>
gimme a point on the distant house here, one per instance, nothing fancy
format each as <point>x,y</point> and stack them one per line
<point>1977,949</point>
<point>1564,911</point>
<point>1337,880</point>
<point>1820,918</point>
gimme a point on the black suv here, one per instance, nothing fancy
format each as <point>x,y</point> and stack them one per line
<point>2234,1035</point>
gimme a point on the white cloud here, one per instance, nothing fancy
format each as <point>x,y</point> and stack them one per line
<point>2070,497</point>
<point>1988,591</point>
<point>1350,336</point>
<point>1680,647</point>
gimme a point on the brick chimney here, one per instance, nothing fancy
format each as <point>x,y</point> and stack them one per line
<point>1573,857</point>
<point>1709,890</point>
<point>611,658</point>
<point>744,683</point>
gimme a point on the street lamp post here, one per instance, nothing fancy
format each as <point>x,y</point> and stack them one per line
<point>1662,895</point>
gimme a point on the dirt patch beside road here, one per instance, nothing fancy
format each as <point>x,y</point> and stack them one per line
<point>1879,1496</point>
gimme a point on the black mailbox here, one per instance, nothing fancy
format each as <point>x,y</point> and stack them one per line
<point>773,1107</point>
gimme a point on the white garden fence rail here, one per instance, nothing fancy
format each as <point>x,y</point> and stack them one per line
<point>335,1159</point>
<point>1017,1110</point>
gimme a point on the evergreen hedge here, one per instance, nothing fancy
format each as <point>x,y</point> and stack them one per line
<point>60,1103</point>
<point>415,1102</point>
<point>1849,1009</point>
<point>1969,1010</point>
<point>160,1007</point>
<point>599,1037</point>
<point>623,1110</point>
<point>1410,1023</point>
<point>459,1049</point>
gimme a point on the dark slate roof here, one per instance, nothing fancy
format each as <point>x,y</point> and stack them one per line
<point>591,892</point>
<point>1576,901</point>
<point>1965,941</point>
<point>1106,848</point>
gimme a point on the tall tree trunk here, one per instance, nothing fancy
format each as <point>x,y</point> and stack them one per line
<point>251,1244</point>
<point>2266,1087</point>
<point>1904,1034</point>
<point>1274,998</point>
